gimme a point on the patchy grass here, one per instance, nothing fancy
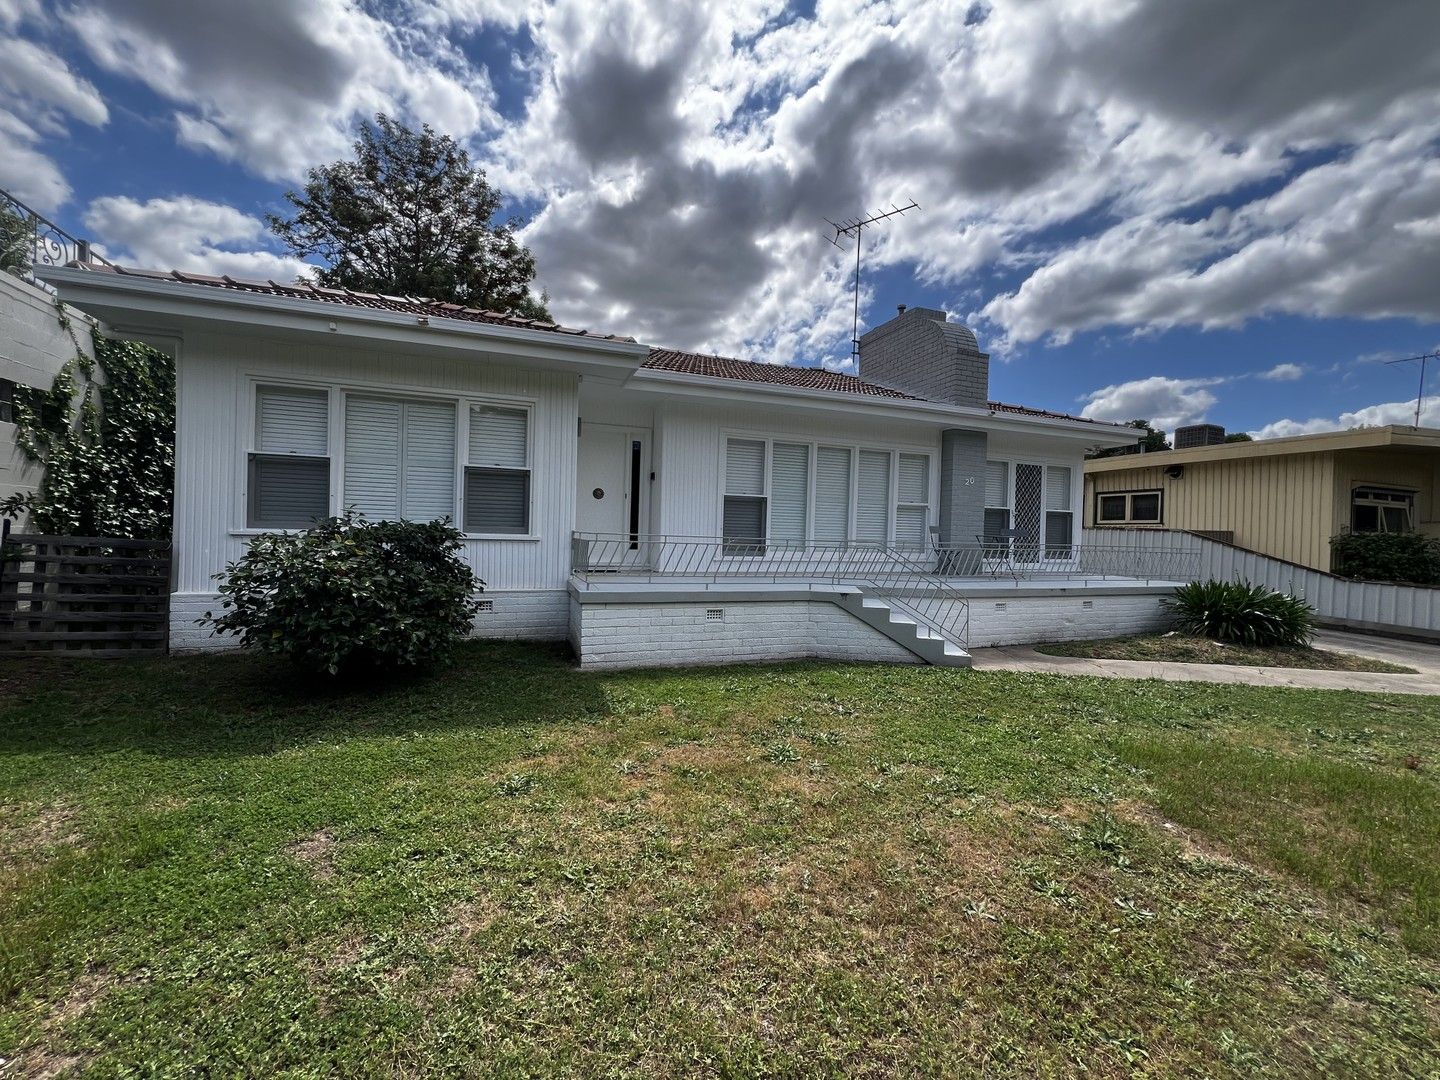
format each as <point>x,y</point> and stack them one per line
<point>515,868</point>
<point>1183,649</point>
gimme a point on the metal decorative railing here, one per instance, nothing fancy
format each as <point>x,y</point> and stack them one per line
<point>47,243</point>
<point>1023,561</point>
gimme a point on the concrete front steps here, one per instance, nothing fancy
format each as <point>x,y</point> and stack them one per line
<point>902,629</point>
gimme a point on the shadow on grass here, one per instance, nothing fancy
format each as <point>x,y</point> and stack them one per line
<point>241,703</point>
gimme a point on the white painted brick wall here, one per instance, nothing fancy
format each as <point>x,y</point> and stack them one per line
<point>516,616</point>
<point>1027,620</point>
<point>662,635</point>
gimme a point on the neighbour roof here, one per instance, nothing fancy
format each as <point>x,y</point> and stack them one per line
<point>412,305</point>
<point>1394,435</point>
<point>725,367</point>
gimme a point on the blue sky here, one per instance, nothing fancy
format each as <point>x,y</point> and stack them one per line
<point>1205,209</point>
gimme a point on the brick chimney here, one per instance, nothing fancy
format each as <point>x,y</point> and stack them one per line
<point>919,353</point>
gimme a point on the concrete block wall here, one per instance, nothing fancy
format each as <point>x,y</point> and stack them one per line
<point>962,485</point>
<point>513,616</point>
<point>672,634</point>
<point>918,352</point>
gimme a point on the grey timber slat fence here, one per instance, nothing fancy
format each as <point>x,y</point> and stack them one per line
<point>90,596</point>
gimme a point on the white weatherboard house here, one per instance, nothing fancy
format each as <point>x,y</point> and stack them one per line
<point>648,505</point>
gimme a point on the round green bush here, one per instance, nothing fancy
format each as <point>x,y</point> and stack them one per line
<point>1241,613</point>
<point>350,595</point>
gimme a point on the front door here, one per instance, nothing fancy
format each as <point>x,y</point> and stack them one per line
<point>611,496</point>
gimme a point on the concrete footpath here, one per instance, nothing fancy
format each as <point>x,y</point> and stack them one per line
<point>1425,659</point>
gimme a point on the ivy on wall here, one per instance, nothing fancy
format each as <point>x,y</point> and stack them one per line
<point>107,444</point>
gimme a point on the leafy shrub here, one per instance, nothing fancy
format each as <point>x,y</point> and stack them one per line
<point>1404,557</point>
<point>351,595</point>
<point>1242,613</point>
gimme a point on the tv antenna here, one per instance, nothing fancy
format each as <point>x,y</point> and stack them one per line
<point>1423,359</point>
<point>852,228</point>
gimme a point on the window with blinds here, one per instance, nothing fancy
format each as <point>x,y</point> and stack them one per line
<point>1059,514</point>
<point>997,500</point>
<point>912,503</point>
<point>789,491</point>
<point>743,525</point>
<point>289,470</point>
<point>399,458</point>
<point>872,497</point>
<point>832,494</point>
<point>497,471</point>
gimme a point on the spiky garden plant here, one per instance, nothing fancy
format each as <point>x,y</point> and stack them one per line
<point>1242,613</point>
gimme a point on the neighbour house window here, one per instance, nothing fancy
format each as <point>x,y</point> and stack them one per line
<point>912,510</point>
<point>289,469</point>
<point>1128,508</point>
<point>399,459</point>
<point>997,500</point>
<point>1059,518</point>
<point>746,507</point>
<point>1382,510</point>
<point>497,471</point>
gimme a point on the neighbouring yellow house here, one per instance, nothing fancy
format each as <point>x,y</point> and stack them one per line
<point>1281,497</point>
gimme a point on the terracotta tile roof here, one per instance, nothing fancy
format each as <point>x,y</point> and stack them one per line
<point>410,305</point>
<point>725,367</point>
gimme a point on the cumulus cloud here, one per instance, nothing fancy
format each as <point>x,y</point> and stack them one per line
<point>277,86</point>
<point>184,233</point>
<point>1386,413</point>
<point>1283,373</point>
<point>1166,403</point>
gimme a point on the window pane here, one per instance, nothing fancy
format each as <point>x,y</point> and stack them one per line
<point>497,501</point>
<point>288,492</point>
<point>1112,507</point>
<point>1145,506</point>
<point>429,470</point>
<point>872,504</point>
<point>1057,534</point>
<point>997,483</point>
<point>744,525</point>
<point>789,490</point>
<point>744,467</point>
<point>1366,519</point>
<point>910,523</point>
<point>1396,519</point>
<point>372,458</point>
<point>996,523</point>
<point>498,437</point>
<point>832,494</point>
<point>1057,487</point>
<point>292,421</point>
<point>914,479</point>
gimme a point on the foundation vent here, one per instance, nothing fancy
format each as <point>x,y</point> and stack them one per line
<point>714,614</point>
<point>486,605</point>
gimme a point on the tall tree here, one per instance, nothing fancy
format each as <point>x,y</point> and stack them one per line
<point>410,216</point>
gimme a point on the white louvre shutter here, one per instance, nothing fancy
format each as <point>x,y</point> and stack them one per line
<point>498,437</point>
<point>789,490</point>
<point>372,457</point>
<point>872,501</point>
<point>744,467</point>
<point>1057,487</point>
<point>292,421</point>
<point>832,494</point>
<point>912,512</point>
<point>997,483</point>
<point>429,467</point>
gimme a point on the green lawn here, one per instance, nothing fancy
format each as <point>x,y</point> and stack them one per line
<point>210,867</point>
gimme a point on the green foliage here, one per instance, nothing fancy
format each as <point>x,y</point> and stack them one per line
<point>1153,439</point>
<point>1239,436</point>
<point>351,595</point>
<point>411,216</point>
<point>16,242</point>
<point>107,443</point>
<point>1409,558</point>
<point>1242,613</point>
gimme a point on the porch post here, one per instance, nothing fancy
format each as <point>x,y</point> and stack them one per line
<point>962,493</point>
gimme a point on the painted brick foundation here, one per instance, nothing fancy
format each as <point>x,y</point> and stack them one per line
<point>1027,620</point>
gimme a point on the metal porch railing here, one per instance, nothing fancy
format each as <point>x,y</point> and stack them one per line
<point>37,239</point>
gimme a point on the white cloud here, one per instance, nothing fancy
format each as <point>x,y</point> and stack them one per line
<point>1283,373</point>
<point>187,234</point>
<point>30,72</point>
<point>25,171</point>
<point>1390,412</point>
<point>1166,403</point>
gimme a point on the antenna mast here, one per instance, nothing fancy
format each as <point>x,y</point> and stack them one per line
<point>852,228</point>
<point>1423,359</point>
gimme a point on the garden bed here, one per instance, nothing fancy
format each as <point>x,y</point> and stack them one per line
<point>1182,649</point>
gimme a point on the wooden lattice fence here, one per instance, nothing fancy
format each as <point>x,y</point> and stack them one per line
<point>84,595</point>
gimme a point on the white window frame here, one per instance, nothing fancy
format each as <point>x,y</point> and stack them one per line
<point>1076,516</point>
<point>400,397</point>
<point>930,453</point>
<point>247,436</point>
<point>1389,498</point>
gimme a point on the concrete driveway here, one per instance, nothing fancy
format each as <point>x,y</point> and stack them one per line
<point>1425,659</point>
